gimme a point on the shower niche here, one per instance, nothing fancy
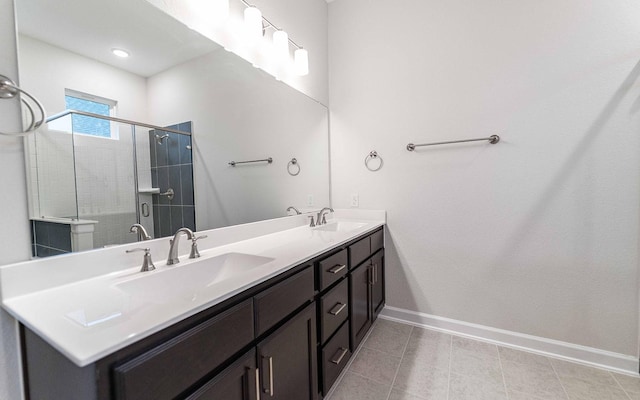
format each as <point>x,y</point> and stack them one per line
<point>87,191</point>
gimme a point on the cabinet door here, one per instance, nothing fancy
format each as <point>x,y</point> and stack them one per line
<point>360,303</point>
<point>287,360</point>
<point>236,382</point>
<point>377,288</point>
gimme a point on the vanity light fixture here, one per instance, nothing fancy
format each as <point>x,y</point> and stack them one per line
<point>255,25</point>
<point>120,53</point>
<point>281,44</point>
<point>301,61</point>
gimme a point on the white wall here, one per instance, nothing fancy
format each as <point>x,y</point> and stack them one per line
<point>240,113</point>
<point>537,234</point>
<point>14,237</point>
<point>49,70</point>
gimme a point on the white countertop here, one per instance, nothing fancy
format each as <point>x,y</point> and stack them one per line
<point>87,317</point>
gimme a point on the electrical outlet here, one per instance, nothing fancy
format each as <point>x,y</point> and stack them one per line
<point>355,200</point>
<point>309,200</point>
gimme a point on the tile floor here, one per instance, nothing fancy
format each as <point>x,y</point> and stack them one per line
<point>401,362</point>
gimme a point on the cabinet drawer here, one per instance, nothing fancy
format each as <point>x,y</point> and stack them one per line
<point>332,268</point>
<point>377,241</point>
<point>334,309</point>
<point>359,251</point>
<point>171,368</point>
<point>275,303</point>
<point>335,356</point>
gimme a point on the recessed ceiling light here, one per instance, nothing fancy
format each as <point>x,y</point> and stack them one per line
<point>120,53</point>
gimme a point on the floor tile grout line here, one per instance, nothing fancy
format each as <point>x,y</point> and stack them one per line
<point>404,349</point>
<point>450,362</point>
<point>559,380</point>
<point>504,380</point>
<point>366,377</point>
<point>620,385</point>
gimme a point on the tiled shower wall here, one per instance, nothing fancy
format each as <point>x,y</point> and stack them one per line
<point>172,167</point>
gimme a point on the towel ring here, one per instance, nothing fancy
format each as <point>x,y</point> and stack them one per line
<point>291,164</point>
<point>373,155</point>
<point>9,90</point>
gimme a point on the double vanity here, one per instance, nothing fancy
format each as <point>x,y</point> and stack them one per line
<point>271,309</point>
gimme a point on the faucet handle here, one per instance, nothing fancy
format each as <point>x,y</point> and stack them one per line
<point>147,263</point>
<point>194,246</point>
<point>311,223</point>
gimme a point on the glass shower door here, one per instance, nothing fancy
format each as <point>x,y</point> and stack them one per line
<point>106,183</point>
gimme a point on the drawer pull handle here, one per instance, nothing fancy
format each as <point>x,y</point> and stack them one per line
<point>339,306</point>
<point>343,352</point>
<point>337,268</point>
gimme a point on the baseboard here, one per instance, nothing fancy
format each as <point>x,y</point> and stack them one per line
<point>553,348</point>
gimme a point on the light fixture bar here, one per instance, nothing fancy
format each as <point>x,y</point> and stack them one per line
<point>270,24</point>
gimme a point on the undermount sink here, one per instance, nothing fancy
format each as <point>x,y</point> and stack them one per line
<point>187,280</point>
<point>340,226</point>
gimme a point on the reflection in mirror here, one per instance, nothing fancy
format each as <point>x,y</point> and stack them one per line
<point>91,178</point>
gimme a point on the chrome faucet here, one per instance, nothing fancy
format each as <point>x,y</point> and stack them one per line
<point>292,208</point>
<point>173,250</point>
<point>139,229</point>
<point>321,218</point>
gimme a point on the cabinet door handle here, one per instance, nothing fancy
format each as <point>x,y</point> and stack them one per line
<point>270,390</point>
<point>337,309</point>
<point>337,360</point>
<point>375,273</point>
<point>257,384</point>
<point>370,269</point>
<point>337,268</point>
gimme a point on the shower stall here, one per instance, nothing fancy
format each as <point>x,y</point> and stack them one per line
<point>93,176</point>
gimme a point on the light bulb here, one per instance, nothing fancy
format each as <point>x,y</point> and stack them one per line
<point>301,62</point>
<point>281,44</point>
<point>253,24</point>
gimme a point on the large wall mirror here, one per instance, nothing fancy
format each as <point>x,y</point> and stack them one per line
<point>174,114</point>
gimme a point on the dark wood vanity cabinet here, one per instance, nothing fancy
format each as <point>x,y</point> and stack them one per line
<point>205,347</point>
<point>285,339</point>
<point>287,359</point>
<point>366,284</point>
<point>236,382</point>
<point>333,316</point>
<point>360,302</point>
